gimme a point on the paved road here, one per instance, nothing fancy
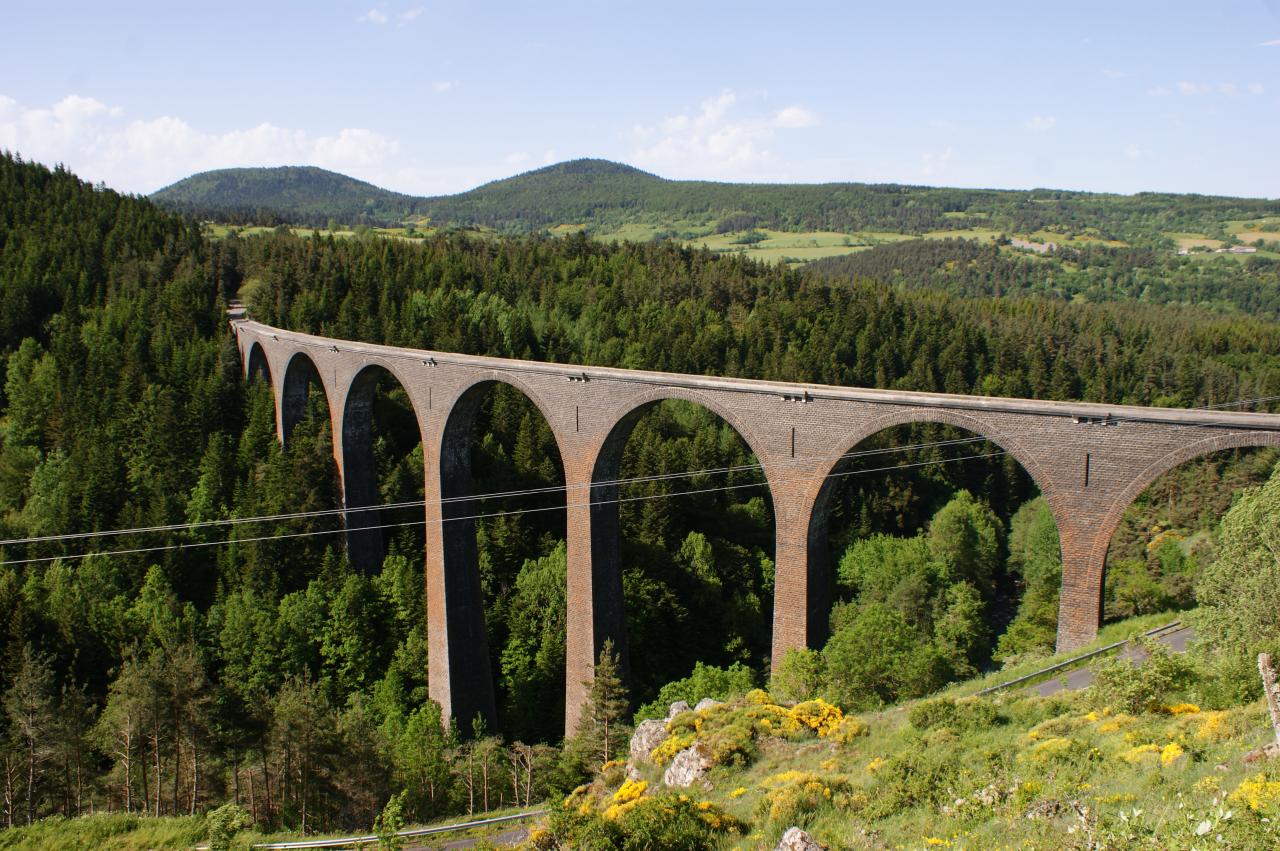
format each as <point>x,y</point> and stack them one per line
<point>1079,678</point>
<point>512,836</point>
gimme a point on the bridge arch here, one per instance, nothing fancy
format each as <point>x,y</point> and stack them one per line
<point>606,534</point>
<point>256,365</point>
<point>360,474</point>
<point>457,575</point>
<point>820,491</point>
<point>299,375</point>
<point>1095,575</point>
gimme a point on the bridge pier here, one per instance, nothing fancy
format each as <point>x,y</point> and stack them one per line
<point>594,603</point>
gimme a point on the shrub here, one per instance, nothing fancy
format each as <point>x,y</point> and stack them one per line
<point>971,714</point>
<point>818,715</point>
<point>224,823</point>
<point>1145,687</point>
<point>663,821</point>
<point>798,676</point>
<point>796,797</point>
<point>933,713</point>
<point>705,681</point>
<point>733,744</point>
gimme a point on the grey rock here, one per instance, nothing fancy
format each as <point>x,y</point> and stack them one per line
<point>796,839</point>
<point>633,773</point>
<point>706,703</point>
<point>689,766</point>
<point>647,736</point>
<point>676,708</point>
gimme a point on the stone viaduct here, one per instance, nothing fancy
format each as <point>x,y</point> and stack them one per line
<point>1089,461</point>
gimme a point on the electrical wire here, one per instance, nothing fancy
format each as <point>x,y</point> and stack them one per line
<point>484,516</point>
<point>657,477</point>
<point>234,521</point>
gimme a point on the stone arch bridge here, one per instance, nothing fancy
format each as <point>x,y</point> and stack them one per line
<point>1089,461</point>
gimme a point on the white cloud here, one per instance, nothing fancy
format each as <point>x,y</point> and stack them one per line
<point>1113,74</point>
<point>795,116</point>
<point>934,163</point>
<point>444,85</point>
<point>374,16</point>
<point>1132,151</point>
<point>717,141</point>
<point>517,159</point>
<point>409,15</point>
<point>941,124</point>
<point>1190,88</point>
<point>1275,42</point>
<point>99,142</point>
<point>1041,123</point>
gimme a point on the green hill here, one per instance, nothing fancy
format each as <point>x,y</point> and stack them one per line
<point>295,194</point>
<point>607,198</point>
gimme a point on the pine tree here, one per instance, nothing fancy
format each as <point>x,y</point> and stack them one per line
<point>602,731</point>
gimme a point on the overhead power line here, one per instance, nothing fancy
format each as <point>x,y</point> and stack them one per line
<point>268,518</point>
<point>484,516</point>
<point>187,527</point>
<point>657,477</point>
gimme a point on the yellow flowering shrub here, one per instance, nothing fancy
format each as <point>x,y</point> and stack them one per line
<point>1116,723</point>
<point>670,746</point>
<point>1051,750</point>
<point>758,697</point>
<point>1262,795</point>
<point>1215,726</point>
<point>1171,753</point>
<point>739,792</point>
<point>1210,784</point>
<point>616,811</point>
<point>629,791</point>
<point>849,729</point>
<point>818,715</point>
<point>1133,756</point>
<point>540,838</point>
<point>875,765</point>
<point>1180,709</point>
<point>790,794</point>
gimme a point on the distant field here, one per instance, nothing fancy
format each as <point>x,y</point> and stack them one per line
<point>1194,240</point>
<point>793,248</point>
<point>980,234</point>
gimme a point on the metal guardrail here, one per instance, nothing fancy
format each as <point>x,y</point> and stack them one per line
<point>369,839</point>
<point>344,842</point>
<point>1049,670</point>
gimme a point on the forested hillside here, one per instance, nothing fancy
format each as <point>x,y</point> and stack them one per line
<point>1093,273</point>
<point>286,194</point>
<point>206,664</point>
<point>604,196</point>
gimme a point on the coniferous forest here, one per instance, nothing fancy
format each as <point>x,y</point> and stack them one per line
<point>171,670</point>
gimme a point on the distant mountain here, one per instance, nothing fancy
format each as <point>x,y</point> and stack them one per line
<point>293,194</point>
<point>604,196</point>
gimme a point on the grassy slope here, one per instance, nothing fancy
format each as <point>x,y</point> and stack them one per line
<point>1059,772</point>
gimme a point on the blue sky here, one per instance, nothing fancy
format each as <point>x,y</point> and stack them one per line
<point>429,97</point>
